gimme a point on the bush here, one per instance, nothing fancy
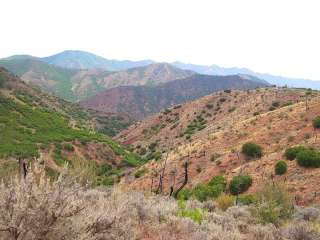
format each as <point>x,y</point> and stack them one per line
<point>274,203</point>
<point>309,158</point>
<point>225,201</point>
<point>209,105</point>
<point>140,172</point>
<point>280,167</point>
<point>240,184</point>
<point>291,153</point>
<point>204,192</point>
<point>252,149</point>
<point>69,147</point>
<point>218,180</point>
<point>194,214</point>
<point>184,194</point>
<point>246,199</point>
<point>316,122</point>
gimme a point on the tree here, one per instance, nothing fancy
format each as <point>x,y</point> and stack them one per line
<point>240,184</point>
<point>252,149</point>
<point>280,167</point>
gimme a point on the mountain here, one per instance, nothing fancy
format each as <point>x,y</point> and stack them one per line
<point>77,84</point>
<point>35,125</point>
<point>210,133</point>
<point>272,79</point>
<point>86,60</point>
<point>142,101</point>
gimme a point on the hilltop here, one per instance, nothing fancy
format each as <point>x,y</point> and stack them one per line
<point>209,133</point>
<point>76,59</point>
<point>142,101</point>
<point>39,127</point>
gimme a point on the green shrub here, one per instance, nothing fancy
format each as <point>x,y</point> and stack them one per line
<point>240,184</point>
<point>280,167</point>
<point>218,180</point>
<point>104,170</point>
<point>184,194</point>
<point>291,153</point>
<point>252,149</point>
<point>204,192</point>
<point>227,91</point>
<point>69,147</point>
<point>246,199</point>
<point>309,158</point>
<point>316,122</point>
<point>195,214</point>
<point>140,172</point>
<point>273,203</point>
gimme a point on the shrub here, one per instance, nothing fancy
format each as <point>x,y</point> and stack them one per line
<point>309,158</point>
<point>291,153</point>
<point>275,104</point>
<point>194,214</point>
<point>232,109</point>
<point>252,149</point>
<point>209,105</point>
<point>218,180</point>
<point>204,192</point>
<point>316,122</point>
<point>274,203</point>
<point>246,199</point>
<point>240,184</point>
<point>280,167</point>
<point>225,201</point>
<point>184,194</point>
<point>140,172</point>
<point>69,147</point>
<point>227,91</point>
<point>256,113</point>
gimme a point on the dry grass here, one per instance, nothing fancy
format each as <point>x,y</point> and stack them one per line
<point>36,208</point>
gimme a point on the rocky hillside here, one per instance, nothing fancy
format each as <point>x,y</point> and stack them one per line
<point>210,132</point>
<point>38,126</point>
<point>142,101</point>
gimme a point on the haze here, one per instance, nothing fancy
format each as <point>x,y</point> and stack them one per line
<point>278,37</point>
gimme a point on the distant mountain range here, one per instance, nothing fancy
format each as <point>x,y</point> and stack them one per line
<point>272,79</point>
<point>142,101</point>
<point>77,84</point>
<point>85,60</point>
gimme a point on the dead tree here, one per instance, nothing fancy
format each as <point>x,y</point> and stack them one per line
<point>23,167</point>
<point>186,165</point>
<point>161,176</point>
<point>173,181</point>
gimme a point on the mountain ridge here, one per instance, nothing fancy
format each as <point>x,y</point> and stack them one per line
<point>141,101</point>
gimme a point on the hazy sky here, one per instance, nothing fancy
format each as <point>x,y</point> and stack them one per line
<point>275,36</point>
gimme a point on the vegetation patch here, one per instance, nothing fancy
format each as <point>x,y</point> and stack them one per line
<point>240,184</point>
<point>251,149</point>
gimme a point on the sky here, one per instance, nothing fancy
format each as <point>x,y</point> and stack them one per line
<point>274,36</point>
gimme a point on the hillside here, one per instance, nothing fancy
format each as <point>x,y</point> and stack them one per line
<point>77,84</point>
<point>142,101</point>
<point>37,126</point>
<point>210,132</point>
<point>272,79</point>
<point>85,60</point>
